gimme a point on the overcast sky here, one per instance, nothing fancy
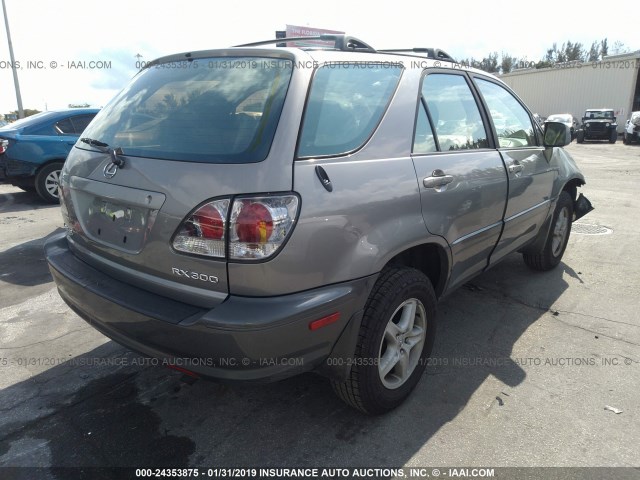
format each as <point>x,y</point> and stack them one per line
<point>51,34</point>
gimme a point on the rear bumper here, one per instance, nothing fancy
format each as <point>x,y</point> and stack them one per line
<point>242,339</point>
<point>15,172</point>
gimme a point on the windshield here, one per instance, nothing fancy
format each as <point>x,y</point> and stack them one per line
<point>559,118</point>
<point>217,110</point>
<point>598,114</point>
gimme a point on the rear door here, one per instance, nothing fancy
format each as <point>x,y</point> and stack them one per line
<point>463,185</point>
<point>530,175</point>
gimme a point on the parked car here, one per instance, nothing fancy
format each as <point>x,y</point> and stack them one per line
<point>598,124</point>
<point>632,129</point>
<point>566,118</point>
<point>250,221</point>
<point>33,150</point>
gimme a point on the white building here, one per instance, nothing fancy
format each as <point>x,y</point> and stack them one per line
<point>573,87</point>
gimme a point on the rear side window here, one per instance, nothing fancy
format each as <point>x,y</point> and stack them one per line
<point>345,105</point>
<point>65,127</point>
<point>215,110</point>
<point>423,141</point>
<point>80,122</point>
<point>512,122</point>
<point>454,112</point>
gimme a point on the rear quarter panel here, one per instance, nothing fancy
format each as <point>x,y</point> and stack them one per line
<point>29,152</point>
<point>372,214</point>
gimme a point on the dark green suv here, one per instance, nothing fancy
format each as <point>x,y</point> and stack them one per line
<point>598,124</point>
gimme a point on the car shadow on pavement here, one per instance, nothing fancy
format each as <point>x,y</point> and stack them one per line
<point>19,201</point>
<point>24,264</point>
<point>110,408</point>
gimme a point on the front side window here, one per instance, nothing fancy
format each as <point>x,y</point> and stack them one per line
<point>512,122</point>
<point>345,105</point>
<point>214,110</point>
<point>454,112</point>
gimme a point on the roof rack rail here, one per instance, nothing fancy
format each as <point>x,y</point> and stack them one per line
<point>342,42</point>
<point>434,53</point>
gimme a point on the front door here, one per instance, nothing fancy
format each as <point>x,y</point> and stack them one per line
<point>530,175</point>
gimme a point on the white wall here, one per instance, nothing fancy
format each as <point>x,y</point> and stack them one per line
<point>573,89</point>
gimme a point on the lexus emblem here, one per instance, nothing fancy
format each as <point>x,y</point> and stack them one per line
<point>110,170</point>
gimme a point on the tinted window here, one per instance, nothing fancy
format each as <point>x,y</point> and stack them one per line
<point>423,141</point>
<point>218,110</point>
<point>65,127</point>
<point>454,112</point>
<point>344,107</point>
<point>80,122</point>
<point>512,122</point>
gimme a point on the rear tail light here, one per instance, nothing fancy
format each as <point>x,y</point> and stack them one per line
<point>203,233</point>
<point>258,227</point>
<point>68,211</point>
<point>3,146</point>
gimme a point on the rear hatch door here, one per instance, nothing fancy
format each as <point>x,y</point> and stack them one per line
<point>181,134</point>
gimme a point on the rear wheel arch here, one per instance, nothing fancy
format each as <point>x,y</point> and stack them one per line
<point>42,182</point>
<point>47,163</point>
<point>430,259</point>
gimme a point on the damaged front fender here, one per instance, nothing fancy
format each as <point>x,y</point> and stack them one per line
<point>581,207</point>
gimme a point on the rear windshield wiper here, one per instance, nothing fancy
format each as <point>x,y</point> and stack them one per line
<point>104,147</point>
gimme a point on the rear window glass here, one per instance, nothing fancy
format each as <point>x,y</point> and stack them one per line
<point>344,107</point>
<point>217,110</point>
<point>30,120</point>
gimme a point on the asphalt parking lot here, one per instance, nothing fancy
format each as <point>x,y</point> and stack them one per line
<point>523,367</point>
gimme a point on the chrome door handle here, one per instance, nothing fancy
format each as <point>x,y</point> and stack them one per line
<point>515,168</point>
<point>437,179</point>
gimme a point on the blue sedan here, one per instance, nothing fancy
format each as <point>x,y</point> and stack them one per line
<point>33,150</point>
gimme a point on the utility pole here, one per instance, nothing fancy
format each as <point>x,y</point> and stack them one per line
<point>13,63</point>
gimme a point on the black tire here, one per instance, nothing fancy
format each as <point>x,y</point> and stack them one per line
<point>580,136</point>
<point>397,291</point>
<point>613,136</point>
<point>625,138</point>
<point>45,178</point>
<point>549,257</point>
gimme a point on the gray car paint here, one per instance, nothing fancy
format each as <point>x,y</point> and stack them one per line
<point>378,207</point>
<point>185,186</point>
<point>337,238</point>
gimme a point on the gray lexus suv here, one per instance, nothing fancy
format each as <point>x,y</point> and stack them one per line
<point>255,212</point>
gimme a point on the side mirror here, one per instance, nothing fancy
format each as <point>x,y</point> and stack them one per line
<point>556,134</point>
